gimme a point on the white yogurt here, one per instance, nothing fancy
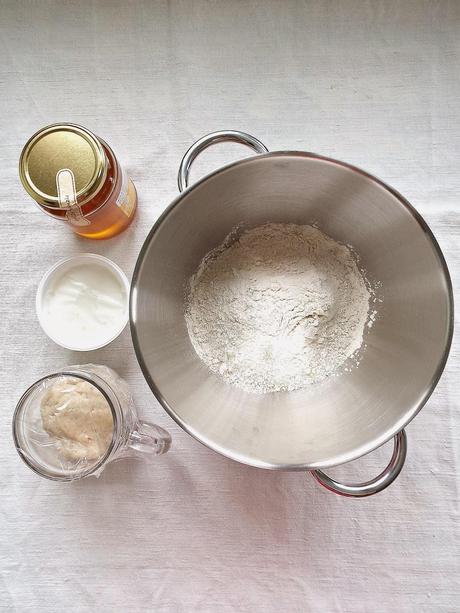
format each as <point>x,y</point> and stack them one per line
<point>82,302</point>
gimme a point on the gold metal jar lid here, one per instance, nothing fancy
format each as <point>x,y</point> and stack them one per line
<point>55,148</point>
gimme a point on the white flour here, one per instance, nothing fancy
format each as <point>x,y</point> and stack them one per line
<point>280,308</point>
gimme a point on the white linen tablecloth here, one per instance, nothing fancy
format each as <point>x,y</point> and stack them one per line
<point>373,83</point>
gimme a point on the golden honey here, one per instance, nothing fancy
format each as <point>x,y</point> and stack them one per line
<point>102,199</point>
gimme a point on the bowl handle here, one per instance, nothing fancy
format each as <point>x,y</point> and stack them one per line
<point>211,139</point>
<point>386,477</point>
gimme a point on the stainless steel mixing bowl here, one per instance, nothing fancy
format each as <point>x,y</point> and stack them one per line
<point>345,416</point>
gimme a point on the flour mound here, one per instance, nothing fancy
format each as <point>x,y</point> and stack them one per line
<point>278,309</point>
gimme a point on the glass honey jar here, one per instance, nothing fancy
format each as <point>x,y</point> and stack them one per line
<point>74,176</point>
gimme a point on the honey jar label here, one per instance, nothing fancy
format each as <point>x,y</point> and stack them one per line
<point>125,203</point>
<point>67,195</point>
<point>75,216</point>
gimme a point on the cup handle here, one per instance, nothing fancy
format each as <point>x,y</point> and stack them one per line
<point>379,483</point>
<point>149,438</point>
<point>211,139</point>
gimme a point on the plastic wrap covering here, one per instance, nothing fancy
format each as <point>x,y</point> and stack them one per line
<point>70,424</point>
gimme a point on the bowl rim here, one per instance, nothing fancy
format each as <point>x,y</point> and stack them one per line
<point>337,459</point>
<point>54,270</point>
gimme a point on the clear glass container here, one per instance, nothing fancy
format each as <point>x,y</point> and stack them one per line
<point>119,432</point>
<point>74,176</point>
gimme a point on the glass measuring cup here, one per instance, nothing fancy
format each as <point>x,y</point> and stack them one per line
<point>119,432</point>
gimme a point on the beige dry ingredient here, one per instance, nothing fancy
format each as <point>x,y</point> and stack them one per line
<point>78,418</point>
<point>279,308</point>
